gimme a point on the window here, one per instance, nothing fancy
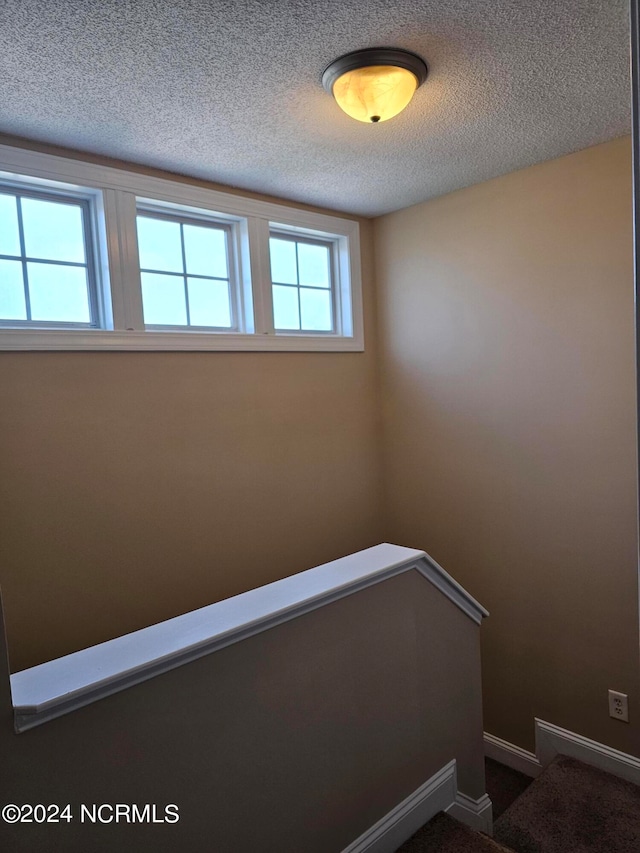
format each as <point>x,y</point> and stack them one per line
<point>46,264</point>
<point>93,257</point>
<point>302,282</point>
<point>184,271</point>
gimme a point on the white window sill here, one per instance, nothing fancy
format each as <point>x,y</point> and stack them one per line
<point>100,339</point>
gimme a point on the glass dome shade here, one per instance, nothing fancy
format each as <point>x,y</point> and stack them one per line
<point>375,93</point>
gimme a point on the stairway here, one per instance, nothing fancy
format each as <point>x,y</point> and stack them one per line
<point>569,808</point>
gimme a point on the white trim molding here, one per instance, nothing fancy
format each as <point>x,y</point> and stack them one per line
<point>152,341</point>
<point>65,684</point>
<point>553,740</point>
<point>512,756</point>
<point>390,832</point>
<point>438,794</point>
<point>477,814</point>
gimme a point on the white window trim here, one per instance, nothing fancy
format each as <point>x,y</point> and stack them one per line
<point>118,193</point>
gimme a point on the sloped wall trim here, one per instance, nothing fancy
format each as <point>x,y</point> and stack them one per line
<point>59,686</point>
<point>437,794</point>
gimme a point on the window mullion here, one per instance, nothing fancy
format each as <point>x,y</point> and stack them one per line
<point>23,259</point>
<point>298,293</point>
<point>184,274</point>
<point>122,247</point>
<point>95,313</point>
<point>260,266</point>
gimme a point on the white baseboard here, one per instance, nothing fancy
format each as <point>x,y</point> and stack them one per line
<point>552,740</point>
<point>438,794</point>
<point>511,755</point>
<point>478,814</point>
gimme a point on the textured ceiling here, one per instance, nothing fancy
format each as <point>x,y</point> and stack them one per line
<point>230,91</point>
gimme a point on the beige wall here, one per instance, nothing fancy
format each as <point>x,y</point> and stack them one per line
<point>137,486</point>
<point>509,427</point>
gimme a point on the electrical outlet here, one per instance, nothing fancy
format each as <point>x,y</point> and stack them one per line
<point>619,706</point>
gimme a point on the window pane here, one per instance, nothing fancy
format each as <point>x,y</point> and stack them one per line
<point>283,261</point>
<point>205,250</point>
<point>9,234</point>
<point>12,305</point>
<point>159,245</point>
<point>313,264</point>
<point>285,307</point>
<point>163,300</point>
<point>52,230</point>
<point>58,293</point>
<point>209,302</point>
<point>315,308</point>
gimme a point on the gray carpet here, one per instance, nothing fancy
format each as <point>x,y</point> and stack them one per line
<point>572,808</point>
<point>504,785</point>
<point>443,834</point>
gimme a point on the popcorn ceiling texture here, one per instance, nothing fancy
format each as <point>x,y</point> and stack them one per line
<point>231,92</point>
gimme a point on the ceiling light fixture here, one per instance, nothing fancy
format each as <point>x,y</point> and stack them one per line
<point>375,84</point>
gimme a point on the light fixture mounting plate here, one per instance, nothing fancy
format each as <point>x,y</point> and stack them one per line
<point>374,56</point>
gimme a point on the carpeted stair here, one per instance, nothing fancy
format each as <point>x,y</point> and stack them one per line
<point>446,835</point>
<point>569,808</point>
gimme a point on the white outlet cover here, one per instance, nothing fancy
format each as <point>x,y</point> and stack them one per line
<point>619,706</point>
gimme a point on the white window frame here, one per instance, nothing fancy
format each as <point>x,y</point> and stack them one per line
<point>95,247</point>
<point>235,296</point>
<point>117,194</point>
<point>330,245</point>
